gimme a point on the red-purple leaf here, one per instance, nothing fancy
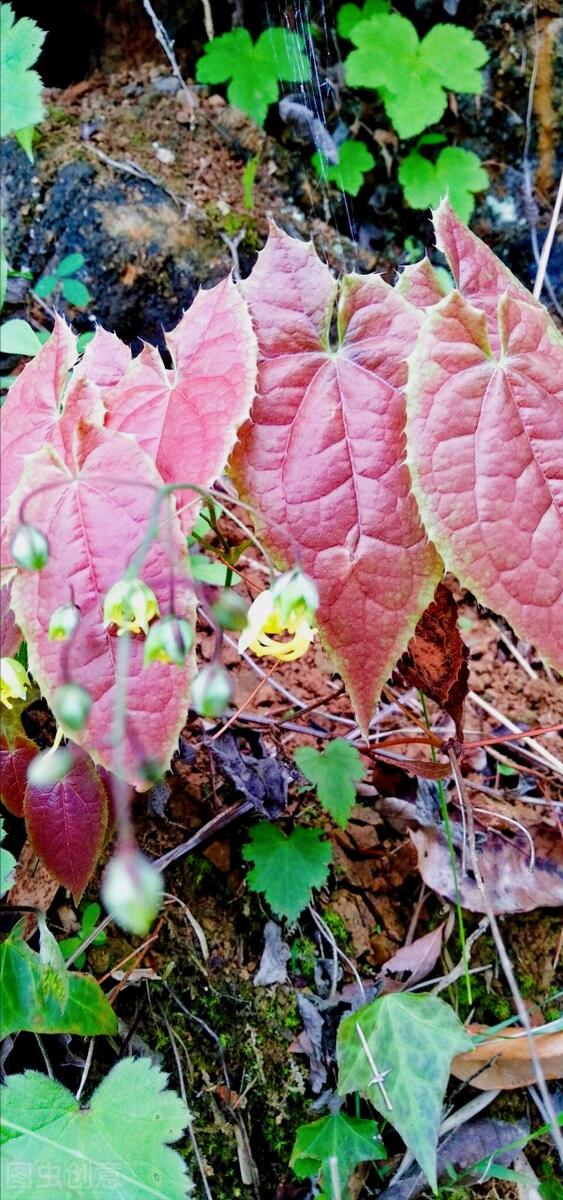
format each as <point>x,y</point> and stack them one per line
<point>105,359</point>
<point>10,635</point>
<point>37,410</point>
<point>14,760</point>
<point>66,824</point>
<point>94,527</point>
<point>484,438</point>
<point>420,285</point>
<point>187,418</point>
<point>323,456</point>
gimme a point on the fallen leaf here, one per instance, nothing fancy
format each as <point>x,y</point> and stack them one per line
<point>419,958</point>
<point>273,964</point>
<point>460,1149</point>
<point>509,1058</point>
<point>435,661</point>
<point>505,866</point>
<point>34,887</point>
<point>259,777</point>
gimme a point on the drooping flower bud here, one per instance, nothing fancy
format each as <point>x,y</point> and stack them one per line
<point>63,622</point>
<point>71,706</point>
<point>132,891</point>
<point>230,610</point>
<point>169,640</point>
<point>131,605</point>
<point>29,548</point>
<point>49,767</point>
<point>14,681</point>
<point>295,597</point>
<point>211,691</point>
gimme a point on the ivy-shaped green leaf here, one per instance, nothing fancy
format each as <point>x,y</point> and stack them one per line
<point>38,995</point>
<point>286,869</point>
<point>412,76</point>
<point>254,68</point>
<point>348,173</point>
<point>397,1051</point>
<point>456,172</point>
<point>349,1140</point>
<point>116,1147</point>
<point>335,772</point>
<point>21,104</point>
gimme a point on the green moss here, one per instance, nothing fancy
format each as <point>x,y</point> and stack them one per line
<point>231,222</point>
<point>60,116</point>
<point>337,928</point>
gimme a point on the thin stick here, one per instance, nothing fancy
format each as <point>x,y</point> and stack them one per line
<point>168,47</point>
<point>503,955</point>
<point>539,750</point>
<point>191,1131</point>
<point>546,248</point>
<point>244,705</point>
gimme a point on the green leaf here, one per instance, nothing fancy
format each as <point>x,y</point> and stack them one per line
<point>45,286</point>
<point>411,75</point>
<point>20,89</point>
<point>207,571</point>
<point>350,1140</point>
<point>456,171</point>
<point>348,173</point>
<point>286,868</point>
<point>285,51</point>
<point>334,771</point>
<point>32,991</point>
<point>350,14</point>
<point>17,337</point>
<point>26,137</point>
<point>76,293</point>
<point>456,56</point>
<point>116,1147</point>
<point>7,864</point>
<point>412,1039</point>
<point>70,264</point>
<point>254,69</point>
<point>83,341</point>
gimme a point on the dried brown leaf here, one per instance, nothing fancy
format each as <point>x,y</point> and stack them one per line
<point>436,658</point>
<point>506,1060</point>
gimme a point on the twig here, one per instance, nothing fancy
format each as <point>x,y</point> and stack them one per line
<point>546,248</point>
<point>191,1131</point>
<point>244,705</point>
<point>538,749</point>
<point>514,651</point>
<point>168,47</point>
<point>378,1076</point>
<point>503,955</point>
<point>208,19</point>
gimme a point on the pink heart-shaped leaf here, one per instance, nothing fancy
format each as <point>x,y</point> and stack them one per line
<point>41,408</point>
<point>187,418</point>
<point>95,517</point>
<point>484,436</point>
<point>66,823</point>
<point>322,457</point>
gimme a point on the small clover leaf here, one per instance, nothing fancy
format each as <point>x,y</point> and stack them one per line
<point>349,1140</point>
<point>412,75</point>
<point>456,171</point>
<point>252,69</point>
<point>286,869</point>
<point>348,173</point>
<point>334,771</point>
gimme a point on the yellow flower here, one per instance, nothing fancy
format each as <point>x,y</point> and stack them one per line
<point>130,605</point>
<point>13,681</point>
<point>264,620</point>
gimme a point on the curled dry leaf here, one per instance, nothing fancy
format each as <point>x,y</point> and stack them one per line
<point>506,1060</point>
<point>34,887</point>
<point>505,866</point>
<point>436,658</point>
<point>418,959</point>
